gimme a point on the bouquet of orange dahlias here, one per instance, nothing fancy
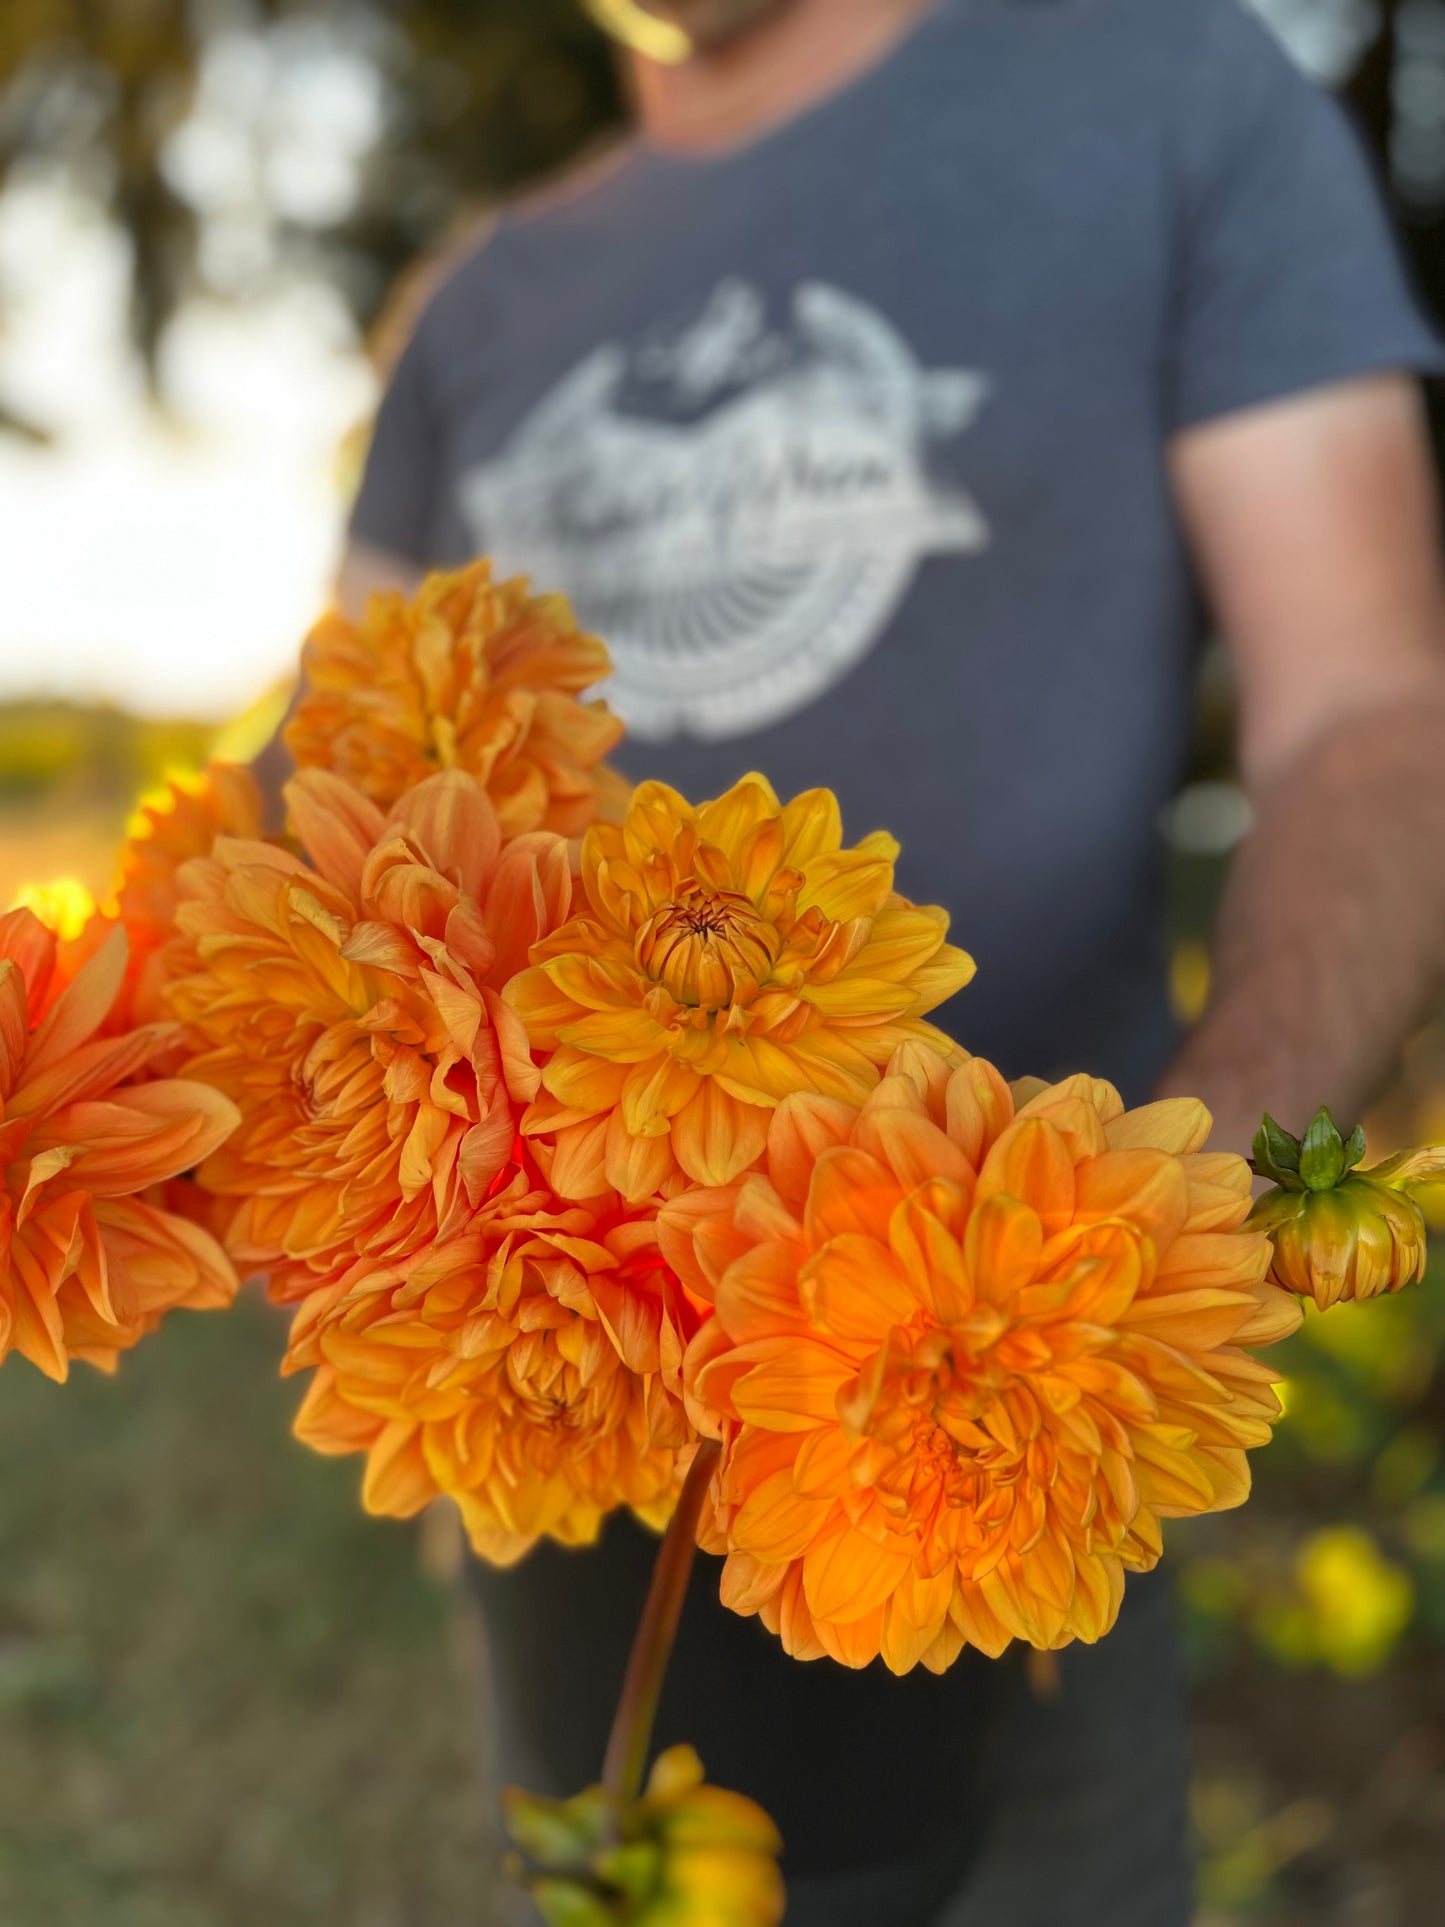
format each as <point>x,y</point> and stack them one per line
<point>604,1147</point>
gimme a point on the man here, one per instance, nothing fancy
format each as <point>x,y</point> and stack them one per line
<point>882,403</point>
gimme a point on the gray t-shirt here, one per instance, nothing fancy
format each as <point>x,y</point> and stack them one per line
<point>851,445</point>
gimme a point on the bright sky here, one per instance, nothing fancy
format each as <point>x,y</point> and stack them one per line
<point>167,563</point>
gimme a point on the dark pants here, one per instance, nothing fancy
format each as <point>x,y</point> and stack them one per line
<point>965,1801</point>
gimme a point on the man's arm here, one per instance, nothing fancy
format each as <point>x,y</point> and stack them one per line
<point>1315,527</point>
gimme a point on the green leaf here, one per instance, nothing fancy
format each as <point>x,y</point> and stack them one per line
<point>1322,1154</point>
<point>1355,1147</point>
<point>1277,1155</point>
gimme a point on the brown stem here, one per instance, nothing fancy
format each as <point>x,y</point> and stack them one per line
<point>631,1739</point>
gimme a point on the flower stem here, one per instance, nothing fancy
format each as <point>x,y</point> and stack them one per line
<point>631,1739</point>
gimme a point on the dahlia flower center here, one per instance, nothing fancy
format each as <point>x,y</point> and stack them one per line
<point>708,947</point>
<point>941,1416</point>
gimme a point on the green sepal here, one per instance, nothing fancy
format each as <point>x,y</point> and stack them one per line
<point>558,1835</point>
<point>1277,1155</point>
<point>1322,1154</point>
<point>635,1870</point>
<point>564,1903</point>
<point>1354,1147</point>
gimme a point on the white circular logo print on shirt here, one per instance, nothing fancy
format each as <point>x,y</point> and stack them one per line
<point>741,561</point>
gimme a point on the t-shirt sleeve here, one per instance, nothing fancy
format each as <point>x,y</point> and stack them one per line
<point>1290,275</point>
<point>394,507</point>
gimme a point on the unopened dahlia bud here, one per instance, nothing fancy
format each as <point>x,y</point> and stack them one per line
<point>684,1855</point>
<point>1340,1232</point>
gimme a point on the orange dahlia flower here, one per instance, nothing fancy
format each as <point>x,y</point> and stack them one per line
<point>350,1010</point>
<point>471,675</point>
<point>87,1266</point>
<point>171,828</point>
<point>530,1369</point>
<point>728,957</point>
<point>964,1359</point>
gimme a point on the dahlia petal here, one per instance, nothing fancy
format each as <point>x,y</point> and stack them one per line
<point>901,940</point>
<point>787,1615</point>
<point>733,821</point>
<point>913,1618</point>
<point>775,1523</point>
<point>540,1005</point>
<point>922,1233</point>
<point>760,1212</point>
<point>790,1384</point>
<point>37,1330</point>
<point>909,1142</point>
<point>1002,1248</point>
<point>337,825</point>
<point>848,1577</point>
<point>80,1009</point>
<point>821,1463</point>
<point>397,1484</point>
<point>636,1167</point>
<point>758,1295</point>
<point>747,1584</point>
<point>859,1000</point>
<point>25,941</point>
<point>715,1138</point>
<point>980,1109</point>
<point>1174,1124</point>
<point>802,1128</point>
<point>1030,1162</point>
<point>593,982</point>
<point>851,1191</point>
<point>654,1093</point>
<point>855,1290</point>
<point>934,983</point>
<point>620,1036</point>
<point>584,1083</point>
<point>845,884</point>
<point>452,819</point>
<point>14,1023</point>
<point>578,1167</point>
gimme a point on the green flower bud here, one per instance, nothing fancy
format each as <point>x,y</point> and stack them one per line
<point>684,1855</point>
<point>1340,1232</point>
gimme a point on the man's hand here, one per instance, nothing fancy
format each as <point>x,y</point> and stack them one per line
<point>1315,526</point>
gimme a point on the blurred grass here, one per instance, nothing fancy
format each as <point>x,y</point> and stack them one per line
<point>226,1696</point>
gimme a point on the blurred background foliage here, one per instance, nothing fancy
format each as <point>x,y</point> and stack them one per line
<point>225,1696</point>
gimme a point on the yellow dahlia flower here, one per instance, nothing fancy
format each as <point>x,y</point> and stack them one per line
<point>1339,1232</point>
<point>684,1855</point>
<point>530,1370</point>
<point>87,1265</point>
<point>471,675</point>
<point>727,957</point>
<point>350,1010</point>
<point>965,1357</point>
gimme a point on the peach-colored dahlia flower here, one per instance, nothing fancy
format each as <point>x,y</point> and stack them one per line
<point>471,675</point>
<point>530,1369</point>
<point>964,1359</point>
<point>350,1010</point>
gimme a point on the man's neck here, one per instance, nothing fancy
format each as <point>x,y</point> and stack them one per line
<point>812,49</point>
